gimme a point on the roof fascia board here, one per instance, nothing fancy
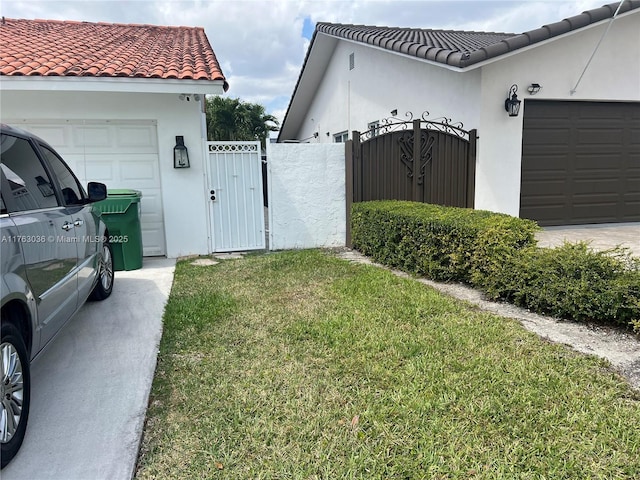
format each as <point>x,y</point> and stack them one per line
<point>110,84</point>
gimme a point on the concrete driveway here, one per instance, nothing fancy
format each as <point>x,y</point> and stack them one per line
<point>600,237</point>
<point>90,388</point>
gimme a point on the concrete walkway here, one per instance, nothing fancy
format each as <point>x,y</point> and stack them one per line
<point>600,236</point>
<point>90,388</point>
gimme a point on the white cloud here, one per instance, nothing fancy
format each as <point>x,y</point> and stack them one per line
<point>259,43</point>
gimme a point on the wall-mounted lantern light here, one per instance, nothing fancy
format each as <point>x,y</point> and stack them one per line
<point>180,154</point>
<point>512,104</point>
<point>534,88</point>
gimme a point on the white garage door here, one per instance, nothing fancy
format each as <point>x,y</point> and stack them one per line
<point>122,154</point>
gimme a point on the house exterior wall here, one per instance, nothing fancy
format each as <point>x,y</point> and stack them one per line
<point>306,184</point>
<point>183,190</point>
<point>380,82</point>
<point>555,65</point>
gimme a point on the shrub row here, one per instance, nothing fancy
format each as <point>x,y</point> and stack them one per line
<point>497,253</point>
<point>443,243</point>
<point>570,281</point>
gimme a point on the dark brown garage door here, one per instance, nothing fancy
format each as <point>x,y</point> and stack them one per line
<point>580,162</point>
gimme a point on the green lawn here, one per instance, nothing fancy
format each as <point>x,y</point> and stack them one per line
<point>300,365</point>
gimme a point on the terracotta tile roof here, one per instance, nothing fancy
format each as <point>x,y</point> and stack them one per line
<point>459,48</point>
<point>83,49</point>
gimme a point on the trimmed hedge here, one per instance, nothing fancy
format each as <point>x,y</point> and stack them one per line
<point>570,281</point>
<point>443,243</point>
<point>497,253</point>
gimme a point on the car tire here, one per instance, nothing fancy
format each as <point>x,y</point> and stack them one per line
<point>16,391</point>
<point>104,286</point>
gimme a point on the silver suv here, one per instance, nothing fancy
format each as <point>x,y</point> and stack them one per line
<point>54,252</point>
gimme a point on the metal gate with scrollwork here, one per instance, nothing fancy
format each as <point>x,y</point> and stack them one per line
<point>429,161</point>
<point>235,196</point>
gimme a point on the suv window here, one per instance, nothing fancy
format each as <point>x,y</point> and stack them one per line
<point>72,191</point>
<point>29,183</point>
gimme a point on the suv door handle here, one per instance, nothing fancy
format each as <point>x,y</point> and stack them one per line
<point>67,226</point>
<point>78,222</point>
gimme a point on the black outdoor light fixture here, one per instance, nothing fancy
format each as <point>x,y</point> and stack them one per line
<point>180,154</point>
<point>512,104</point>
<point>534,88</point>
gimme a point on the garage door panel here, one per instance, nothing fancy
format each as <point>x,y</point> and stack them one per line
<point>546,137</point>
<point>93,138</point>
<point>549,201</point>
<point>56,135</point>
<point>554,213</point>
<point>600,137</point>
<point>139,139</point>
<point>119,153</point>
<point>543,189</point>
<point>151,206</point>
<point>595,215</point>
<point>591,160</point>
<point>101,172</point>
<point>632,211</point>
<point>153,239</point>
<point>595,188</point>
<point>548,165</point>
<point>141,172</point>
<point>632,185</point>
<point>585,157</point>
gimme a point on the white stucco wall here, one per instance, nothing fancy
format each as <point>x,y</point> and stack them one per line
<point>306,184</point>
<point>183,190</point>
<point>380,82</point>
<point>614,75</point>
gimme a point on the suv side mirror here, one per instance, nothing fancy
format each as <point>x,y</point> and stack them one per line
<point>97,191</point>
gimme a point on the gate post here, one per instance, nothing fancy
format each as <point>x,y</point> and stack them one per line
<point>348,183</point>
<point>471,169</point>
<point>417,139</point>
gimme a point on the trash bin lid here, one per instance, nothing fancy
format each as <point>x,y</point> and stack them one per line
<point>124,192</point>
<point>118,201</point>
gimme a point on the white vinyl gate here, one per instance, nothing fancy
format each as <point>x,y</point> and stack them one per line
<point>235,196</point>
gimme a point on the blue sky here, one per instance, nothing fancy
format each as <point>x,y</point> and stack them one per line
<point>307,28</point>
<point>261,44</point>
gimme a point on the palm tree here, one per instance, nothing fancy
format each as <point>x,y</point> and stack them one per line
<point>230,119</point>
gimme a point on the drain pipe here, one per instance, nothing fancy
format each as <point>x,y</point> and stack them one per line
<point>574,89</point>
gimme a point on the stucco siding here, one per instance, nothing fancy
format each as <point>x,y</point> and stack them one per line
<point>380,82</point>
<point>183,190</point>
<point>306,185</point>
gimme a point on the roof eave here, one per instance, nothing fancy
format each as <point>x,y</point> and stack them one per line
<point>112,84</point>
<point>304,90</point>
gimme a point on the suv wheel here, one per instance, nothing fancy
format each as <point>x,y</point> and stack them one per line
<point>16,391</point>
<point>105,274</point>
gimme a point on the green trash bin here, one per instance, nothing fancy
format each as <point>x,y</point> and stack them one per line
<point>121,213</point>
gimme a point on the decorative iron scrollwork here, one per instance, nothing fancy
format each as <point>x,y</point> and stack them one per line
<point>426,153</point>
<point>394,123</point>
<point>406,151</point>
